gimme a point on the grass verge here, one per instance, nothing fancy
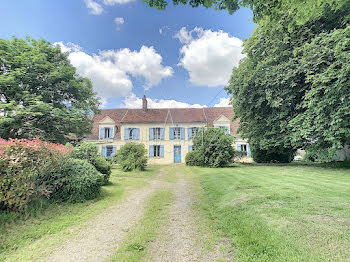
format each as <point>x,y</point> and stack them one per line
<point>34,237</point>
<point>281,213</point>
<point>135,246</point>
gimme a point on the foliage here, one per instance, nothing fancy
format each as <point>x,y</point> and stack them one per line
<point>132,156</point>
<point>275,156</point>
<point>41,94</point>
<point>292,82</point>
<point>104,167</point>
<point>213,148</point>
<point>21,162</point>
<point>76,181</point>
<point>240,154</point>
<point>192,158</point>
<point>262,9</point>
<point>89,152</point>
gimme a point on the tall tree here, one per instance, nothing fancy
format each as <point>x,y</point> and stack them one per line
<point>274,88</point>
<point>41,93</point>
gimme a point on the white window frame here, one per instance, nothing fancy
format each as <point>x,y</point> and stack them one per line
<point>157,133</point>
<point>194,131</point>
<point>131,133</point>
<point>156,150</point>
<point>107,130</point>
<point>177,133</point>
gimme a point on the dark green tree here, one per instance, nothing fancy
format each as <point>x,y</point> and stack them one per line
<point>211,147</point>
<point>41,94</point>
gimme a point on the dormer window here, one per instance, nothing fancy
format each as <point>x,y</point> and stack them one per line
<point>107,132</point>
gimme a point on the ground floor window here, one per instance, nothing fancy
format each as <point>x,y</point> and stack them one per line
<point>156,151</point>
<point>244,148</point>
<point>109,151</point>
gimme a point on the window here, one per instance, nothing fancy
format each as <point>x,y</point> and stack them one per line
<point>194,131</point>
<point>156,151</point>
<point>157,133</point>
<point>177,133</point>
<point>109,151</point>
<point>244,148</point>
<point>108,132</point>
<point>131,131</point>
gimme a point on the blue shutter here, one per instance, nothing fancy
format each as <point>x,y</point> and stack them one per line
<point>136,134</point>
<point>104,151</point>
<point>102,133</point>
<point>238,147</point>
<point>151,136</point>
<point>189,133</point>
<point>114,150</point>
<point>161,151</point>
<point>151,154</point>
<point>162,133</point>
<point>182,133</point>
<point>126,133</point>
<point>171,133</point>
<point>189,148</point>
<point>248,149</point>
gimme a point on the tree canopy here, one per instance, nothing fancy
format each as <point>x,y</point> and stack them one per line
<point>41,95</point>
<point>292,89</point>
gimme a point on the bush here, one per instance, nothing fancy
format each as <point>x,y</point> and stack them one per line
<point>103,166</point>
<point>192,159</point>
<point>89,152</point>
<point>132,156</point>
<point>21,163</point>
<point>241,154</point>
<point>76,181</point>
<point>280,155</point>
<point>213,148</point>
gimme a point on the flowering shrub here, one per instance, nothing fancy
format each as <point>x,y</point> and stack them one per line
<point>21,162</point>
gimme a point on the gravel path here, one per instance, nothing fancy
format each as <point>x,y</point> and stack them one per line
<point>179,240</point>
<point>100,237</point>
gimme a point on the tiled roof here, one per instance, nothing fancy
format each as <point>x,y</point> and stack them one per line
<point>169,115</point>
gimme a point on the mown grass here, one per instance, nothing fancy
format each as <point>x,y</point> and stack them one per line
<point>31,238</point>
<point>135,246</point>
<point>281,213</point>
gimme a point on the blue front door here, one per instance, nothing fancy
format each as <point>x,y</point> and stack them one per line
<point>177,154</point>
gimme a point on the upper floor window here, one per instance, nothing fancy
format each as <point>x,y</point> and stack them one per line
<point>108,132</point>
<point>194,131</point>
<point>177,133</point>
<point>131,133</point>
<point>157,135</point>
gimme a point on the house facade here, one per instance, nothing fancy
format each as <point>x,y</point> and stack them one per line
<point>166,133</point>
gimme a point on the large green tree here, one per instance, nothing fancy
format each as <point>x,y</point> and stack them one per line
<point>41,94</point>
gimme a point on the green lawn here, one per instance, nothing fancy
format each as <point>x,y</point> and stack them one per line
<point>34,237</point>
<point>281,213</point>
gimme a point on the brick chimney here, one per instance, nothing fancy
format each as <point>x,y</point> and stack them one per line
<point>144,104</point>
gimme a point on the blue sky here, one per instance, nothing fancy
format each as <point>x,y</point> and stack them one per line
<point>179,57</point>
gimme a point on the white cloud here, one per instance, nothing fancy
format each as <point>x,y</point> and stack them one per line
<point>119,21</point>
<point>146,63</point>
<point>223,102</point>
<point>131,101</point>
<point>110,71</point>
<point>114,2</point>
<point>94,8</point>
<point>209,56</point>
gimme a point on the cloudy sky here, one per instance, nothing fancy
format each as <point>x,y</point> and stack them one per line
<point>180,57</point>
